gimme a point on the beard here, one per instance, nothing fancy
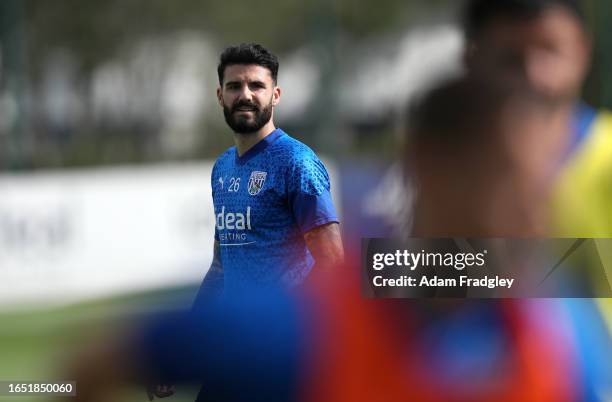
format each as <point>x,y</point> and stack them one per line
<point>242,124</point>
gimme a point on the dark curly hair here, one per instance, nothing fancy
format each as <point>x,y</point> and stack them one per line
<point>247,53</point>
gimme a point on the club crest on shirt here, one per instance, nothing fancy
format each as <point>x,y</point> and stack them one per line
<point>256,182</point>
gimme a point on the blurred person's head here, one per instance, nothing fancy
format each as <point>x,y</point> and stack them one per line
<point>482,157</point>
<point>542,42</point>
<point>248,90</point>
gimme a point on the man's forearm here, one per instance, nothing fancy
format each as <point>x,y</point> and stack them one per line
<point>325,245</point>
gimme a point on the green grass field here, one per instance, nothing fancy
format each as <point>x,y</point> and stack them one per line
<point>37,344</point>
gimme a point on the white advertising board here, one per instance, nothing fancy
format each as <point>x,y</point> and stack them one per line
<point>66,236</point>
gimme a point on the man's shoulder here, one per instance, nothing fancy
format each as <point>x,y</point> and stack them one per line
<point>599,139</point>
<point>604,118</point>
<point>591,133</point>
<point>291,150</point>
<point>225,157</point>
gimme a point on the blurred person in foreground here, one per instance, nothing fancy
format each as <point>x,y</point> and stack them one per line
<point>274,212</point>
<point>328,343</point>
<point>546,44</point>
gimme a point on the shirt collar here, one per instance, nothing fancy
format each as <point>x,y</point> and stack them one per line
<point>259,147</point>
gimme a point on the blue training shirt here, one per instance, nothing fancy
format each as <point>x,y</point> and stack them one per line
<point>265,201</point>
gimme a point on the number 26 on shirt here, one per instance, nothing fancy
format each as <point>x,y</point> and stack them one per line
<point>234,185</point>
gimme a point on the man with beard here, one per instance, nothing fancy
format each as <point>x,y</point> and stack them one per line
<point>274,213</point>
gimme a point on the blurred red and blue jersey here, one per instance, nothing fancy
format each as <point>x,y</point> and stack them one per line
<point>326,342</point>
<point>439,350</point>
<point>265,201</point>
